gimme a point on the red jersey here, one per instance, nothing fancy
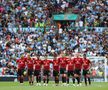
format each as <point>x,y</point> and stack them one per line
<point>86,64</point>
<point>46,64</point>
<point>21,64</point>
<point>78,62</point>
<point>37,64</point>
<point>62,62</point>
<point>30,64</point>
<point>70,65</point>
<point>56,65</point>
<point>25,59</point>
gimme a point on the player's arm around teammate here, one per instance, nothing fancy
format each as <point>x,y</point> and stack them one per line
<point>30,70</point>
<point>78,62</point>
<point>86,68</point>
<point>20,69</point>
<point>56,69</point>
<point>46,70</point>
<point>37,70</point>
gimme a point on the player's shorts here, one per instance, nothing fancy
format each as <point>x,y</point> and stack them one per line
<point>77,71</point>
<point>70,73</point>
<point>46,72</point>
<point>62,71</point>
<point>30,72</point>
<point>20,72</point>
<point>55,73</point>
<point>86,72</point>
<point>37,72</point>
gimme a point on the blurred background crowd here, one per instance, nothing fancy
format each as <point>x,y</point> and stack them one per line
<point>38,13</point>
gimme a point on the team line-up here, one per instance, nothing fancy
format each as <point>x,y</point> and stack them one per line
<point>64,67</point>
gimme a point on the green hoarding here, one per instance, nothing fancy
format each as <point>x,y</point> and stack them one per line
<point>65,17</point>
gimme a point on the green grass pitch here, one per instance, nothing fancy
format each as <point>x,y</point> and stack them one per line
<point>26,86</point>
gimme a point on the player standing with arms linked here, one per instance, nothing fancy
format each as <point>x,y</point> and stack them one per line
<point>30,69</point>
<point>37,70</point>
<point>70,70</point>
<point>86,68</point>
<point>46,70</point>
<point>20,69</point>
<point>78,62</point>
<point>56,69</point>
<point>63,63</point>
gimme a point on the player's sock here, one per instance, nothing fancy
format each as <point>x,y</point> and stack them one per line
<point>73,79</point>
<point>62,79</point>
<point>44,79</point>
<point>89,80</point>
<point>57,79</point>
<point>78,80</point>
<point>85,79</point>
<point>37,79</point>
<point>47,80</point>
<point>68,80</point>
<point>21,80</point>
<point>30,82</point>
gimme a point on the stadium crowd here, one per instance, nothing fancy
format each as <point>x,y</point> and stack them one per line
<point>38,13</point>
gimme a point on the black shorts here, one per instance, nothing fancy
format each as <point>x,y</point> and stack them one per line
<point>55,73</point>
<point>62,71</point>
<point>37,72</point>
<point>30,72</point>
<point>46,72</point>
<point>86,72</point>
<point>20,72</point>
<point>70,73</point>
<point>77,71</point>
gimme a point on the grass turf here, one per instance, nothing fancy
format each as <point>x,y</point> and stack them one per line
<point>26,86</point>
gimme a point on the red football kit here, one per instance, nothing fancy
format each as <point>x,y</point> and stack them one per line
<point>46,64</point>
<point>78,62</point>
<point>21,64</point>
<point>62,62</point>
<point>86,64</point>
<point>30,64</point>
<point>25,59</point>
<point>37,64</point>
<point>70,65</point>
<point>56,65</point>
